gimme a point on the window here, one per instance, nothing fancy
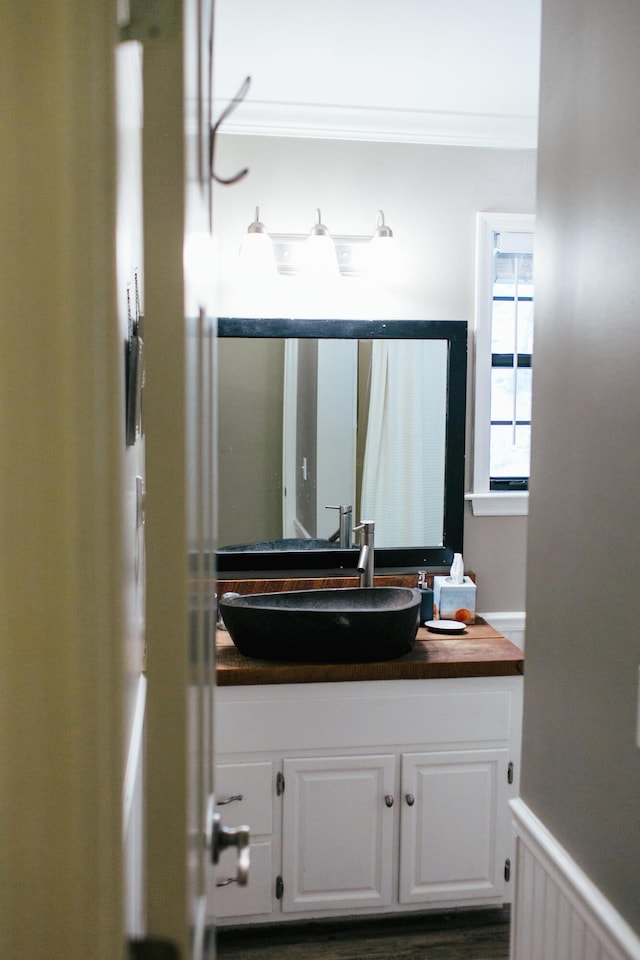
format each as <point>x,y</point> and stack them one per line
<point>503,354</point>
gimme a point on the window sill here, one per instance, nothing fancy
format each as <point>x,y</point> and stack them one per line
<point>499,504</point>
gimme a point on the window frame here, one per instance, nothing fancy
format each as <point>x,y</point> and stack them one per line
<point>484,501</point>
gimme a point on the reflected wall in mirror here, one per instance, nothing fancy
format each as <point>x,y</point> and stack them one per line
<point>317,414</point>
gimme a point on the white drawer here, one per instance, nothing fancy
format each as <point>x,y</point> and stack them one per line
<point>257,896</point>
<point>252,784</point>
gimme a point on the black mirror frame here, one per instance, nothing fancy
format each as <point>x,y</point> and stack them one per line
<point>416,558</point>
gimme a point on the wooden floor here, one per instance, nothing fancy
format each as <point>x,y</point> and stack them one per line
<point>477,935</point>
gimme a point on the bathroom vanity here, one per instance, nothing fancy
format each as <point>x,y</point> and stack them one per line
<point>369,788</point>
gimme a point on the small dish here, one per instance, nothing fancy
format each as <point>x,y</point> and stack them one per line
<point>445,626</point>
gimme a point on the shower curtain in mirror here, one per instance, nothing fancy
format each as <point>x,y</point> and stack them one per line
<point>404,460</point>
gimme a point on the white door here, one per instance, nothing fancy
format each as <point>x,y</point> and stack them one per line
<point>453,825</point>
<point>337,832</point>
<point>180,492</point>
<point>319,435</point>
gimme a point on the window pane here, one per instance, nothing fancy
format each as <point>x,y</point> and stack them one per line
<point>509,458</point>
<point>504,381</point>
<point>509,267</point>
<point>525,327</point>
<point>503,327</point>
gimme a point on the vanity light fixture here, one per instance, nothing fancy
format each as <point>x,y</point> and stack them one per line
<point>321,255</point>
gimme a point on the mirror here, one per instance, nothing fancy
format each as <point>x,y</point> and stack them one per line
<point>326,413</point>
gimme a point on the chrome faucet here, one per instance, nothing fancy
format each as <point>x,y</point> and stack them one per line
<point>366,559</point>
<point>343,534</point>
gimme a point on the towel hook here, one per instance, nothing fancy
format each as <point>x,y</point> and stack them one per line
<point>230,107</point>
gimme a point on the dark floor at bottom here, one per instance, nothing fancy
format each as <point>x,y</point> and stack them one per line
<point>474,935</point>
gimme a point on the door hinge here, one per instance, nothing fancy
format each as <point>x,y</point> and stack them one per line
<point>507,870</point>
<point>279,888</point>
<point>149,19</point>
<point>280,784</point>
<point>510,773</point>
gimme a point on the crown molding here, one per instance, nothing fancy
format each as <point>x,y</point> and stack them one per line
<point>378,124</point>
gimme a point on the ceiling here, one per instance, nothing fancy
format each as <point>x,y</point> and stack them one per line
<point>409,71</point>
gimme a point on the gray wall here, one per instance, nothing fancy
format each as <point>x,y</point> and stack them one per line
<point>581,764</point>
<point>430,196</point>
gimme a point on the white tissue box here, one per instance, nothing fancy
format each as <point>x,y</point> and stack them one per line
<point>454,601</point>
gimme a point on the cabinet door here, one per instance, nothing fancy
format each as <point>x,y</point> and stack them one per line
<point>254,899</point>
<point>337,832</point>
<point>453,825</point>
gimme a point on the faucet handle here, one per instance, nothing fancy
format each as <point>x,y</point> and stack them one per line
<point>367,528</point>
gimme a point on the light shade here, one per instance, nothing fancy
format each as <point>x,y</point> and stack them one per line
<point>256,251</point>
<point>383,261</point>
<point>318,258</point>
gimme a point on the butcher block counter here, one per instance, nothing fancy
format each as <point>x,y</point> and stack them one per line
<point>478,652</point>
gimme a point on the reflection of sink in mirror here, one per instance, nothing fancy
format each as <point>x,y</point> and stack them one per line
<point>291,543</point>
<point>351,625</point>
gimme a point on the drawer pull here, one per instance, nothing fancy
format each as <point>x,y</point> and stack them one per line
<point>223,803</point>
<point>225,883</point>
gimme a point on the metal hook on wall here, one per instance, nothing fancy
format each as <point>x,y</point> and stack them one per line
<point>231,106</point>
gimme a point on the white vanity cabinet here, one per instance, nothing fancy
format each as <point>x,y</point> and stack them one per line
<point>384,796</point>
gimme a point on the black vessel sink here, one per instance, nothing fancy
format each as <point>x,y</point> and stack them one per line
<point>351,625</point>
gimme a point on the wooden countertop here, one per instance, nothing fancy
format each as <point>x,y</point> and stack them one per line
<point>479,652</point>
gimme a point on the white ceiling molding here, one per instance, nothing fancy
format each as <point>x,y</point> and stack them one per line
<point>464,72</point>
<point>339,122</point>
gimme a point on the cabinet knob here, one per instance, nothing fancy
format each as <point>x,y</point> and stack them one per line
<point>410,799</point>
<point>388,800</point>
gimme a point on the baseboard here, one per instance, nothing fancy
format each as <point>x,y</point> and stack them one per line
<point>558,913</point>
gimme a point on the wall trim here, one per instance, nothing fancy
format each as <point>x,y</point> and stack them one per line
<point>511,623</point>
<point>557,906</point>
<point>336,122</point>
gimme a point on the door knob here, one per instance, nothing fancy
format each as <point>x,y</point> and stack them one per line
<point>224,837</point>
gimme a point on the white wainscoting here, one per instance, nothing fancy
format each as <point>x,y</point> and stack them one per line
<point>511,624</point>
<point>558,912</point>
